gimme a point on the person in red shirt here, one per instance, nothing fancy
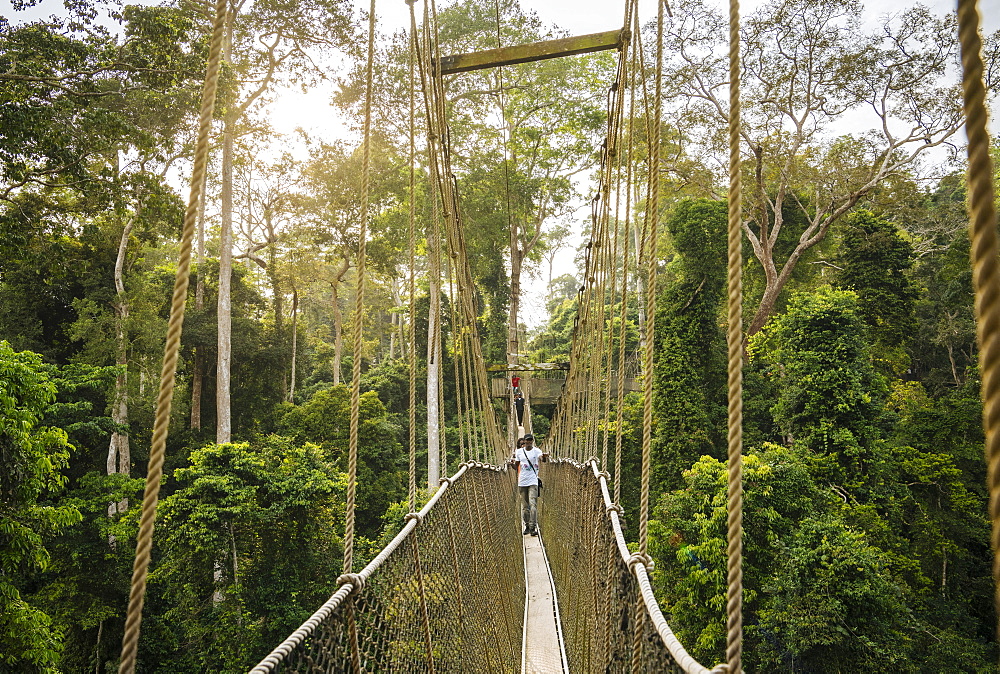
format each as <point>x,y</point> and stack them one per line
<point>515,382</point>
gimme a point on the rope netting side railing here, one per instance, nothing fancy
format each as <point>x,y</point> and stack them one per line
<point>600,582</point>
<point>447,594</point>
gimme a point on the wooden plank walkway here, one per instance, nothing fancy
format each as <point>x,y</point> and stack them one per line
<point>542,652</point>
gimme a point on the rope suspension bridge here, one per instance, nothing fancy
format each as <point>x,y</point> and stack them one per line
<point>451,591</point>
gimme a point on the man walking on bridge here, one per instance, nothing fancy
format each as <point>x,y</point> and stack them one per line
<point>528,459</point>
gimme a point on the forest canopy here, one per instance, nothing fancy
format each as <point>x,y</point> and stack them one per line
<point>867,536</point>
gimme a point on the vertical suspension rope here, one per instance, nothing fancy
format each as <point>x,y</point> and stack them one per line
<point>984,258</point>
<point>615,172</point>
<point>413,263</point>
<point>734,339</point>
<point>359,306</point>
<point>652,216</point>
<point>147,520</point>
<point>462,455</point>
<point>623,309</point>
<point>359,303</point>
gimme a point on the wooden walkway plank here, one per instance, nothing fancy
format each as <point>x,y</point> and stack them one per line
<point>543,652</point>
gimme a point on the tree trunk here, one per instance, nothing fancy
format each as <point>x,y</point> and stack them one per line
<point>516,260</point>
<point>401,330</point>
<point>338,333</point>
<point>217,594</point>
<point>338,320</point>
<point>223,430</point>
<point>236,581</point>
<point>433,375</point>
<point>97,650</point>
<point>272,275</point>
<point>198,366</point>
<point>295,315</point>
<point>199,288</point>
<point>392,336</point>
<point>119,455</point>
<point>197,378</point>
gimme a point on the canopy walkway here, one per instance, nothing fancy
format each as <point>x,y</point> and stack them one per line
<point>453,591</point>
<point>449,593</point>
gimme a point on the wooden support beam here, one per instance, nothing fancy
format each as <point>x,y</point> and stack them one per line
<point>537,51</point>
<point>527,367</point>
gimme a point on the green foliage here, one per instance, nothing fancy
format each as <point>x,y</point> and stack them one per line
<point>32,458</point>
<point>874,261</point>
<point>690,372</point>
<point>325,420</point>
<point>85,588</point>
<point>829,394</point>
<point>252,546</point>
<point>832,604</point>
<point>818,595</point>
<point>943,349</point>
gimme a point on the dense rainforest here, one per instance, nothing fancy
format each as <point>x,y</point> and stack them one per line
<point>866,528</point>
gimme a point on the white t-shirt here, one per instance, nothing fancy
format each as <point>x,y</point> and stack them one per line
<point>528,472</point>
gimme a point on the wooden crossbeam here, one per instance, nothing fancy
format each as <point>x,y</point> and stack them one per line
<point>537,51</point>
<point>527,367</point>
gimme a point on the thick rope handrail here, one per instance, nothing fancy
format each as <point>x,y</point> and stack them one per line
<point>984,258</point>
<point>734,340</point>
<point>278,655</point>
<point>147,520</point>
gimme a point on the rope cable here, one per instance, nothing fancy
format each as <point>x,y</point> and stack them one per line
<point>984,257</point>
<point>413,263</point>
<point>734,339</point>
<point>652,217</point>
<point>359,301</point>
<point>147,520</point>
<point>623,310</point>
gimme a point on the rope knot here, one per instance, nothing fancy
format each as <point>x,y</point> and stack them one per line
<point>445,482</point>
<point>355,579</point>
<point>640,558</point>
<point>605,474</point>
<point>614,507</point>
<point>414,516</point>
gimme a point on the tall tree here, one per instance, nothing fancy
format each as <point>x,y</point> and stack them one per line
<point>807,64</point>
<point>689,370</point>
<point>520,133</point>
<point>267,39</point>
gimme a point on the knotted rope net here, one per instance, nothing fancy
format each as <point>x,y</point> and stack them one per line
<point>447,594</point>
<point>599,582</point>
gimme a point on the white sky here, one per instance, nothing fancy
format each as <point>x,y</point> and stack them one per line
<point>312,111</point>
